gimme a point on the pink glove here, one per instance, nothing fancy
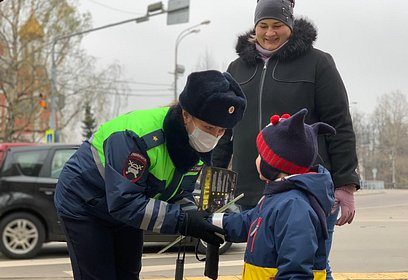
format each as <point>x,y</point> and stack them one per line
<point>344,197</point>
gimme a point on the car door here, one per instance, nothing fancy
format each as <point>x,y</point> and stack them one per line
<point>56,159</point>
<point>19,175</point>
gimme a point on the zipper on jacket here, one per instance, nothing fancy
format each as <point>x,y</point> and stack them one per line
<point>263,74</point>
<point>254,232</point>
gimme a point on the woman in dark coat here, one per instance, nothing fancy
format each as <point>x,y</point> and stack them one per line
<point>280,72</point>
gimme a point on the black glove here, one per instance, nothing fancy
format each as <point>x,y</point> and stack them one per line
<point>195,224</point>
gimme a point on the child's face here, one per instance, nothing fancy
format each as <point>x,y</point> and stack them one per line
<point>258,164</point>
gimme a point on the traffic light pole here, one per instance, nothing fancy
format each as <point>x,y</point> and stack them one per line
<point>53,88</point>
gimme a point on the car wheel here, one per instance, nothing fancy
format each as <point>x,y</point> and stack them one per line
<point>202,247</point>
<point>21,235</point>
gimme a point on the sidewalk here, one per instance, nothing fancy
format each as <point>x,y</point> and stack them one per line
<point>336,276</point>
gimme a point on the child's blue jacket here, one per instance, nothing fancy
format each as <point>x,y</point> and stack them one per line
<point>285,238</point>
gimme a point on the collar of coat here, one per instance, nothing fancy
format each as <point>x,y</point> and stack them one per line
<point>285,185</point>
<point>183,156</point>
<point>303,36</point>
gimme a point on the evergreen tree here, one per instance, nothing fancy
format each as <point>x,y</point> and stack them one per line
<point>89,122</point>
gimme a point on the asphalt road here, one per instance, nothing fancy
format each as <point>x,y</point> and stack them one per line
<point>376,242</point>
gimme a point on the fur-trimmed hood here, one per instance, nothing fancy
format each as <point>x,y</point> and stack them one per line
<point>303,36</point>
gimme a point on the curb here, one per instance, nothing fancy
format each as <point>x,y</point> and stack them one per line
<point>371,276</point>
<point>336,276</point>
<point>369,192</point>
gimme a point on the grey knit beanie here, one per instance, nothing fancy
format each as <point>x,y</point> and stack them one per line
<point>281,10</point>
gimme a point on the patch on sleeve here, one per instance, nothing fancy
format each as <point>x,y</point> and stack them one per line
<point>135,167</point>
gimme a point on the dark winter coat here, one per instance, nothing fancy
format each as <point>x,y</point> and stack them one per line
<point>296,76</point>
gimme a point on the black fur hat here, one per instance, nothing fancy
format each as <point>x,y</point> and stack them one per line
<point>213,97</point>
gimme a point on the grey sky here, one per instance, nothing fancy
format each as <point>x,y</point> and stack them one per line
<point>367,38</point>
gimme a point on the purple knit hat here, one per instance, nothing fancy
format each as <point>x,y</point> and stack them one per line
<point>289,145</point>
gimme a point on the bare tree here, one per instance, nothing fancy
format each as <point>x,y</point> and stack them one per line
<point>102,90</point>
<point>24,36</point>
<point>391,121</point>
<point>28,30</point>
<point>360,127</point>
<point>206,62</point>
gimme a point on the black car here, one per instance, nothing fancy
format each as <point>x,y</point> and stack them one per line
<point>28,175</point>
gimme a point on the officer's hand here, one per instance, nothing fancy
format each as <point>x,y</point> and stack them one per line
<point>195,224</point>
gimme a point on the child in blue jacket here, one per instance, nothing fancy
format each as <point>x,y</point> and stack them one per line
<point>285,232</point>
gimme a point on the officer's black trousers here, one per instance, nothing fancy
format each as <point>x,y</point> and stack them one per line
<point>102,251</point>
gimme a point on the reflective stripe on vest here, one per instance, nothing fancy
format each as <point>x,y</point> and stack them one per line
<point>149,213</point>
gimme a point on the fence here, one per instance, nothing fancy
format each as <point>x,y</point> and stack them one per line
<point>371,185</point>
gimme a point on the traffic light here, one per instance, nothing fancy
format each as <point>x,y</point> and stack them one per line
<point>42,101</point>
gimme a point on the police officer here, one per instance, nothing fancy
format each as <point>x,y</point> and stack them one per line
<point>137,172</point>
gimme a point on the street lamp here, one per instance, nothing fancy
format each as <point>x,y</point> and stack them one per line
<point>178,69</point>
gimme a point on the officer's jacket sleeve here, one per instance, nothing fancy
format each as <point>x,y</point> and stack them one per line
<point>186,200</point>
<point>294,229</point>
<point>126,172</point>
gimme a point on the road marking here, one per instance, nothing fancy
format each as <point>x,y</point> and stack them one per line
<point>389,220</point>
<point>37,262</point>
<point>17,263</point>
<point>382,206</point>
<point>69,272</point>
<point>153,268</point>
<point>172,267</point>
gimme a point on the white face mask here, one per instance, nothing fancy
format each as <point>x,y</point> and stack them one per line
<point>202,141</point>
